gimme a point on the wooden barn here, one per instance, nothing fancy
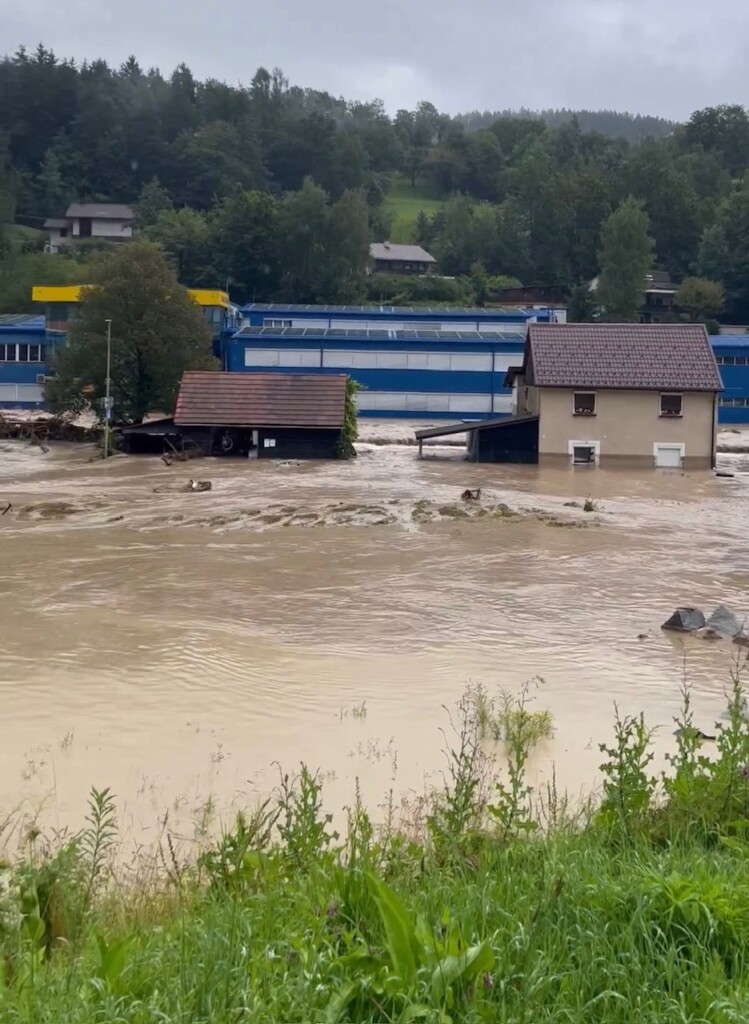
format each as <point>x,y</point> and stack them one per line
<point>251,415</point>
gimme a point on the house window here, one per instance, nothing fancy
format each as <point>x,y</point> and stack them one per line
<point>583,454</point>
<point>584,403</point>
<point>670,405</point>
<point>728,360</point>
<point>740,360</point>
<point>277,323</point>
<point>63,232</point>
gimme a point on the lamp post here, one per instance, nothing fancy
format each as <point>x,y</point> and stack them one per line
<point>107,396</point>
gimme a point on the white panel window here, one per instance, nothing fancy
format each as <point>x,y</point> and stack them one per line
<point>417,360</point>
<point>439,403</point>
<point>332,357</point>
<point>504,360</point>
<point>310,323</point>
<point>471,361</point>
<point>29,393</point>
<point>269,442</point>
<point>496,327</point>
<point>418,402</point>
<point>470,403</point>
<point>298,357</point>
<point>364,360</point>
<point>392,360</point>
<point>276,323</point>
<point>385,400</point>
<point>438,360</point>
<point>8,393</point>
<point>503,403</point>
<point>261,357</point>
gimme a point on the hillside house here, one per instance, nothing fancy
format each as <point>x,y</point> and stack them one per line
<point>392,258</point>
<point>110,222</point>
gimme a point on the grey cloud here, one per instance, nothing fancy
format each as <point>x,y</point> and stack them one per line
<point>667,58</point>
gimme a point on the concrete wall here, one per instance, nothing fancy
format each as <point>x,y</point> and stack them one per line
<point>627,424</point>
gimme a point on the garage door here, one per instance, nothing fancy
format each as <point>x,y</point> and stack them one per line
<point>668,456</point>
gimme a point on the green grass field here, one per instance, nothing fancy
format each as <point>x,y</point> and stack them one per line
<point>404,203</point>
<point>480,902</point>
<point>19,234</point>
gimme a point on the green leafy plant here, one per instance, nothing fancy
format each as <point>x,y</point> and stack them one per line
<point>627,788</point>
<point>302,824</point>
<point>413,975</point>
<point>350,431</point>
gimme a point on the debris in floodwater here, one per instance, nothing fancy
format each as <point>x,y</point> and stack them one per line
<point>198,485</point>
<point>471,495</point>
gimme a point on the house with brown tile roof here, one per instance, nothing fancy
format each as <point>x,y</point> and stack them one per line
<point>640,394</point>
<point>255,415</point>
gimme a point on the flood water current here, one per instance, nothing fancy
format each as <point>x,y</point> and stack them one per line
<point>179,647</point>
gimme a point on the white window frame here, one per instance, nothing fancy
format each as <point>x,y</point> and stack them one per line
<point>595,403</point>
<point>670,415</point>
<point>595,445</point>
<point>668,444</point>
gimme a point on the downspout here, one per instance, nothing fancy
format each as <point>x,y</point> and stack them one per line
<point>715,428</point>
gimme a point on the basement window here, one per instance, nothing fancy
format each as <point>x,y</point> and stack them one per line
<point>670,405</point>
<point>584,403</point>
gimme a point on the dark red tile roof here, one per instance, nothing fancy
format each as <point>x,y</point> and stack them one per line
<point>261,400</point>
<point>661,357</point>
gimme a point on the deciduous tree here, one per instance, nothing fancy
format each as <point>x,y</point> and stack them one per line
<point>158,332</point>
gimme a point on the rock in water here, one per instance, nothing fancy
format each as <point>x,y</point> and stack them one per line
<point>685,620</point>
<point>724,622</point>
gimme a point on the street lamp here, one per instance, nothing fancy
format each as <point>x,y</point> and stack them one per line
<point>107,396</point>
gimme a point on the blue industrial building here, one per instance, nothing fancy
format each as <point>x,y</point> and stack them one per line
<point>732,356</point>
<point>412,362</point>
<point>402,372</point>
<point>25,347</point>
<point>426,318</point>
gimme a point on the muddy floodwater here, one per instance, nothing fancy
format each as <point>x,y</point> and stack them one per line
<point>178,646</point>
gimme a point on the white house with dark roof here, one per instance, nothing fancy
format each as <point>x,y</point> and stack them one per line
<point>110,222</point>
<point>393,258</point>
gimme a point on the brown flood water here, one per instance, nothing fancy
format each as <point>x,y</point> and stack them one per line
<point>174,646</point>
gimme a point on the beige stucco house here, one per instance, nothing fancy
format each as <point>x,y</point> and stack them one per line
<point>636,394</point>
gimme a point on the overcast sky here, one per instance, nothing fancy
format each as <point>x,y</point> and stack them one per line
<point>667,57</point>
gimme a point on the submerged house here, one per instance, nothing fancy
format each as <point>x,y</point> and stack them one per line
<point>590,394</point>
<point>255,415</point>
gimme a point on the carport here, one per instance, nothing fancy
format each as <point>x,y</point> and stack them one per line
<point>509,439</point>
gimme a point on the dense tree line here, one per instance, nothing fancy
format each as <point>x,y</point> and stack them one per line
<point>276,190</point>
<point>613,123</point>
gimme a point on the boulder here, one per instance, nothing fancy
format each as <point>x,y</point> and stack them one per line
<point>685,620</point>
<point>707,633</point>
<point>724,622</point>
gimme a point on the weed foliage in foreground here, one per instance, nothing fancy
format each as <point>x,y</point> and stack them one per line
<point>499,906</point>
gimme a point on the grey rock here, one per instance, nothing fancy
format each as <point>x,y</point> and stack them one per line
<point>685,620</point>
<point>724,622</point>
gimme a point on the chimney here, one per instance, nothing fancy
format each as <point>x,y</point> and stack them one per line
<point>386,244</point>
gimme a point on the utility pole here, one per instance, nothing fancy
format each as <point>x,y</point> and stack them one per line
<point>107,396</point>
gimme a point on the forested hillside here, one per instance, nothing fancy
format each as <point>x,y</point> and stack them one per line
<point>277,189</point>
<point>613,123</point>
